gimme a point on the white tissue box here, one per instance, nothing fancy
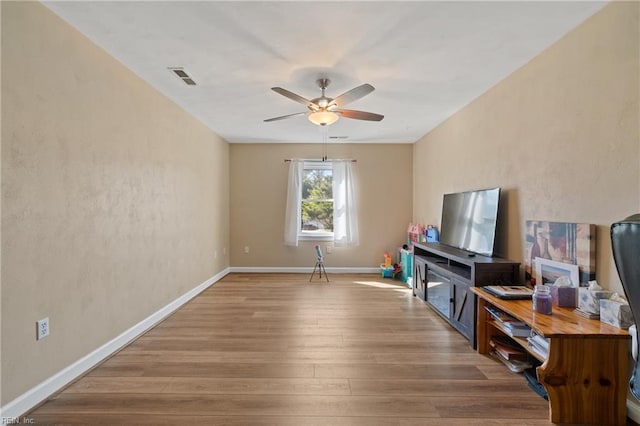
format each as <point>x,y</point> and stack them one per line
<point>589,300</point>
<point>615,313</point>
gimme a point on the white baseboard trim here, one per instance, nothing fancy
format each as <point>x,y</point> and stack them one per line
<point>302,270</point>
<point>45,389</point>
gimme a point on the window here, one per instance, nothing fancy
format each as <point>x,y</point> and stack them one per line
<point>321,203</point>
<point>316,202</point>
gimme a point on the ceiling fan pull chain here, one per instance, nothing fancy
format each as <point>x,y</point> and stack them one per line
<point>324,130</point>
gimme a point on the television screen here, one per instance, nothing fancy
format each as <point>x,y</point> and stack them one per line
<point>469,220</point>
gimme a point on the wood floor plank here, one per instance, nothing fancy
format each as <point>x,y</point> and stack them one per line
<point>206,369</point>
<point>263,405</point>
<point>216,386</point>
<point>399,371</point>
<point>304,357</point>
<point>302,344</point>
<point>528,408</point>
<point>274,349</point>
<point>431,358</point>
<point>439,388</point>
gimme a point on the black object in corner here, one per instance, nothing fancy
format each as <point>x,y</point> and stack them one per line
<point>625,244</point>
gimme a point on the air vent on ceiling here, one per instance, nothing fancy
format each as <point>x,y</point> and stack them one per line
<point>182,75</point>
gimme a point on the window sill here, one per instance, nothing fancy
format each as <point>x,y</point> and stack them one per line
<point>315,237</point>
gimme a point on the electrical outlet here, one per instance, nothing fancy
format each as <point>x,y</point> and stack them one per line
<point>329,249</point>
<point>246,249</point>
<point>215,254</point>
<point>42,328</point>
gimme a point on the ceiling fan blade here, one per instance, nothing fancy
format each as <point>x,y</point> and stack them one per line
<point>358,115</point>
<point>282,117</point>
<point>297,98</point>
<point>353,95</point>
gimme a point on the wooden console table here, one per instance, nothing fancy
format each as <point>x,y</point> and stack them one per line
<point>585,372</point>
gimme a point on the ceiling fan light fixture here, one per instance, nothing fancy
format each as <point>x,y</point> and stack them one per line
<point>323,117</point>
<point>324,111</point>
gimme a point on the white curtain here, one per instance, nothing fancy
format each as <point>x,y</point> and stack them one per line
<point>345,211</point>
<point>292,217</point>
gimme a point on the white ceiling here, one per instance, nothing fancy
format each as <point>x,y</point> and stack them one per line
<point>426,59</point>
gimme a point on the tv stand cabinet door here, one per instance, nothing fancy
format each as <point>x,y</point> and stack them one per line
<point>420,278</point>
<point>463,309</point>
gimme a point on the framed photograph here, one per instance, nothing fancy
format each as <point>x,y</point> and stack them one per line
<point>572,243</point>
<point>548,271</point>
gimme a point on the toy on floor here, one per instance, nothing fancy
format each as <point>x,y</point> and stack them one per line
<point>387,269</point>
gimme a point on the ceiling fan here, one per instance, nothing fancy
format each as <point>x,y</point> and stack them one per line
<point>324,111</point>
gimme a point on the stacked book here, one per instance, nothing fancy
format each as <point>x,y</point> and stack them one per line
<point>511,325</point>
<point>517,328</point>
<point>508,349</point>
<point>586,314</point>
<point>514,365</point>
<point>538,344</point>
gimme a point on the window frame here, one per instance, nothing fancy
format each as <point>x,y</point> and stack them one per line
<point>311,235</point>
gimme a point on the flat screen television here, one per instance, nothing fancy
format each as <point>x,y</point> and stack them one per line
<point>469,220</point>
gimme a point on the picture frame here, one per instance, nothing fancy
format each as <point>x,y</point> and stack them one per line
<point>548,271</point>
<point>566,242</point>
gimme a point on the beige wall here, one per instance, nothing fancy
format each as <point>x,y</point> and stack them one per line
<point>258,198</point>
<point>560,136</point>
<point>115,200</point>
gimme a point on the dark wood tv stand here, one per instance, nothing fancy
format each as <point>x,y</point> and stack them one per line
<point>585,371</point>
<point>443,276</point>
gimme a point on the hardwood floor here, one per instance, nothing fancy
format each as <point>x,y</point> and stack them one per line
<point>274,349</point>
